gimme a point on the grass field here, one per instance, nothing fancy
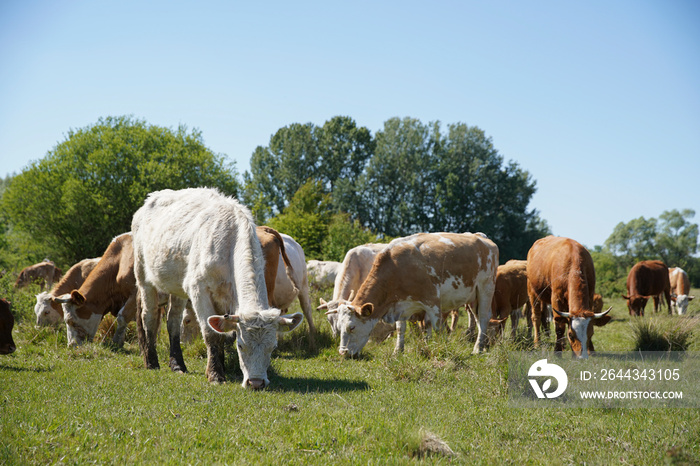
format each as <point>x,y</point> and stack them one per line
<point>95,404</point>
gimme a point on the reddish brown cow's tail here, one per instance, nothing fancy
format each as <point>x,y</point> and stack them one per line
<point>283,252</point>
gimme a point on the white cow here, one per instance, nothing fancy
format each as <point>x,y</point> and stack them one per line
<point>199,244</point>
<point>287,291</point>
<point>323,273</point>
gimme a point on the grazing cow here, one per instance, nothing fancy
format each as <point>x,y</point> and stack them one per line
<point>292,283</point>
<point>680,289</point>
<point>199,244</point>
<point>109,288</point>
<point>322,273</point>
<point>428,272</point>
<point>560,272</point>
<point>7,321</point>
<point>44,273</point>
<point>510,294</point>
<point>647,279</point>
<point>353,271</point>
<point>47,310</point>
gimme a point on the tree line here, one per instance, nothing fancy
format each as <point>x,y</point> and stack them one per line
<point>331,187</point>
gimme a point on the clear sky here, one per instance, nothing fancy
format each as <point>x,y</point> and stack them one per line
<point>598,100</point>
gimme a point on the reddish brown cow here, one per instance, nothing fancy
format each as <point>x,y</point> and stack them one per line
<point>7,321</point>
<point>560,272</point>
<point>44,273</point>
<point>510,294</point>
<point>647,279</point>
<point>110,287</point>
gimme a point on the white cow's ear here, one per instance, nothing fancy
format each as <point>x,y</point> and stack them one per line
<point>223,324</point>
<point>289,322</point>
<point>690,297</point>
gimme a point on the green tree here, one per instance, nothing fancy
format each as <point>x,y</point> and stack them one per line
<point>306,218</point>
<point>85,191</point>
<point>343,235</point>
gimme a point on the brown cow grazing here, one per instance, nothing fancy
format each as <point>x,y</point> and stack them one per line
<point>680,289</point>
<point>46,309</point>
<point>647,279</point>
<point>560,272</point>
<point>7,321</point>
<point>510,294</point>
<point>110,287</point>
<point>44,273</point>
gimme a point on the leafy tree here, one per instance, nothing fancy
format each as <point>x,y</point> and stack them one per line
<point>343,235</point>
<point>85,191</point>
<point>306,218</point>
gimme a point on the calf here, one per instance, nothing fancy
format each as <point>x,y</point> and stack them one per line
<point>199,244</point>
<point>7,321</point>
<point>47,310</point>
<point>110,287</point>
<point>680,289</point>
<point>647,279</point>
<point>44,273</point>
<point>510,294</point>
<point>427,272</point>
<point>560,272</point>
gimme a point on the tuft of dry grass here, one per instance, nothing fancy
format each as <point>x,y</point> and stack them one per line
<point>663,333</point>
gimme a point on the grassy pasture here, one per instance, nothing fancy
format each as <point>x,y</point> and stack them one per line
<point>96,404</point>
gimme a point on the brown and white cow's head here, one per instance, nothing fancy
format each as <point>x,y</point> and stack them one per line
<point>636,304</point>
<point>354,325</point>
<point>45,313</point>
<point>682,302</point>
<point>581,328</point>
<point>81,323</point>
<point>256,338</point>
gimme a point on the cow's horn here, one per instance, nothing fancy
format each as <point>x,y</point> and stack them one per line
<point>332,311</point>
<point>561,313</point>
<point>601,314</point>
<point>352,295</point>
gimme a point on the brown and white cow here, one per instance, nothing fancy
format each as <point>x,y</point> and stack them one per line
<point>47,310</point>
<point>647,279</point>
<point>428,272</point>
<point>7,321</point>
<point>680,289</point>
<point>199,244</point>
<point>45,273</point>
<point>109,288</point>
<point>560,272</point>
<point>292,283</point>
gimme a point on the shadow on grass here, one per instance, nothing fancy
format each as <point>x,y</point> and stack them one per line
<point>39,370</point>
<point>280,383</point>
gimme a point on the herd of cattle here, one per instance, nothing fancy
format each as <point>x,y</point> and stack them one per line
<point>199,254</point>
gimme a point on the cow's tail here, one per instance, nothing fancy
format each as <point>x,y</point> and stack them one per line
<point>287,263</point>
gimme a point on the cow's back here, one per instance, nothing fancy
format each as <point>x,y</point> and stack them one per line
<point>354,269</point>
<point>511,284</point>
<point>556,264</point>
<point>680,283</point>
<point>648,278</point>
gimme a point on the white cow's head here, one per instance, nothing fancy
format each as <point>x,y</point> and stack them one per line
<point>354,325</point>
<point>581,329</point>
<point>331,309</point>
<point>256,338</point>
<point>46,315</point>
<point>81,325</point>
<point>682,301</point>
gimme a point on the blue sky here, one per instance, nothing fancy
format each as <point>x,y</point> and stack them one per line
<point>599,101</point>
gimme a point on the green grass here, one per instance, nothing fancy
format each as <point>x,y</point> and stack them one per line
<point>96,404</point>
